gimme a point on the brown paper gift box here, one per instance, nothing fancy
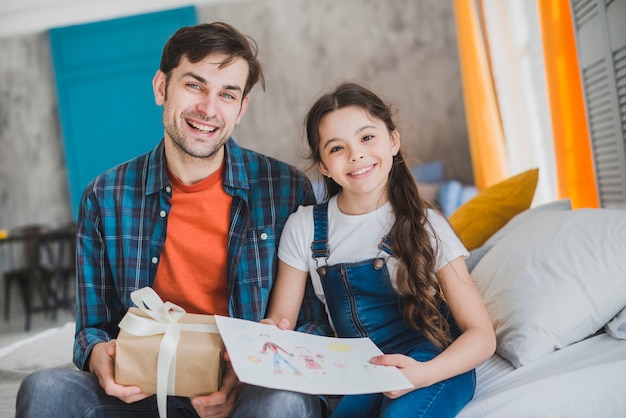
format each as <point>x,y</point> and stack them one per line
<point>198,359</point>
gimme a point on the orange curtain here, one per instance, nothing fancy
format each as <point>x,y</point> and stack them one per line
<point>484,126</point>
<point>572,146</point>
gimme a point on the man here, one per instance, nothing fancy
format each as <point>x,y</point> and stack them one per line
<point>199,220</point>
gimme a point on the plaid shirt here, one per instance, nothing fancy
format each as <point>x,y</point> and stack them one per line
<point>122,226</point>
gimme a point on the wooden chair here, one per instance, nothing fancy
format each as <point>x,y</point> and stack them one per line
<point>33,278</point>
<point>60,246</point>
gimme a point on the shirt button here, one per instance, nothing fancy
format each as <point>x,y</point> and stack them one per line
<point>263,236</point>
<point>168,189</point>
<point>162,213</point>
<point>155,260</point>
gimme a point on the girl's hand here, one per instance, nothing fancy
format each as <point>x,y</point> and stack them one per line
<point>282,324</point>
<point>415,371</point>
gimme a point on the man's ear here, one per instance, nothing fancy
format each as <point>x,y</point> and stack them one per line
<point>244,106</point>
<point>159,84</point>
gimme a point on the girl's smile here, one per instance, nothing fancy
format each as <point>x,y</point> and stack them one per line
<point>362,171</point>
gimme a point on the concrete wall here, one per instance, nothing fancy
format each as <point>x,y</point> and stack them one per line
<point>33,177</point>
<point>405,49</point>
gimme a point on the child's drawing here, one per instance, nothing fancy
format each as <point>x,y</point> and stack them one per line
<point>264,355</point>
<point>309,360</point>
<point>278,358</point>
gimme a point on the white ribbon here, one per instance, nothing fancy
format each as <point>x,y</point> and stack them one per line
<point>164,321</point>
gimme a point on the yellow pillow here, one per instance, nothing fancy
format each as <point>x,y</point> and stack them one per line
<point>480,217</point>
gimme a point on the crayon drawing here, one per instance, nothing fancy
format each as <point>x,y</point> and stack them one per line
<point>264,355</point>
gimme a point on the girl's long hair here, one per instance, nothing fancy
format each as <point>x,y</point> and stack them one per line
<point>410,236</point>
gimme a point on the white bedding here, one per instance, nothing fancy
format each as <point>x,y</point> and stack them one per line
<point>586,379</point>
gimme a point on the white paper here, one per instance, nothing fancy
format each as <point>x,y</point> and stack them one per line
<point>264,355</point>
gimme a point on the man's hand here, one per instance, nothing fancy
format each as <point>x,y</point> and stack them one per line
<point>219,404</point>
<point>102,364</point>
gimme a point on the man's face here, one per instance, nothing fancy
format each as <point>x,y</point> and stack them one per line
<point>202,103</point>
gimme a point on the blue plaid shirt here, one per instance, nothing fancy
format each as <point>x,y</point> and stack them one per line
<point>122,225</point>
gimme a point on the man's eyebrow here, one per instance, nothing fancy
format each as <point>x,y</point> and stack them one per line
<point>196,76</point>
<point>232,87</point>
<point>203,81</point>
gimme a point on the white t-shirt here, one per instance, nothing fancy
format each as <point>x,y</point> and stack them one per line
<point>354,238</point>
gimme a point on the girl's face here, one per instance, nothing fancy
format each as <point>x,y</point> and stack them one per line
<point>356,151</point>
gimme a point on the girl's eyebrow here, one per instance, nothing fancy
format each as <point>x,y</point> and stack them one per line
<point>361,129</point>
<point>328,142</point>
<point>358,131</point>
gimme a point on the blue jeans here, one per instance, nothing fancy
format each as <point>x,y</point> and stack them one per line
<point>73,393</point>
<point>443,399</point>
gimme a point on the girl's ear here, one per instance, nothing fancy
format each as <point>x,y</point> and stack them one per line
<point>395,142</point>
<point>322,168</point>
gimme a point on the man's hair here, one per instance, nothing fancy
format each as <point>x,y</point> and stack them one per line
<point>198,41</point>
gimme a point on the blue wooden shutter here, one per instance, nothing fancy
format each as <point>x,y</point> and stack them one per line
<point>103,74</point>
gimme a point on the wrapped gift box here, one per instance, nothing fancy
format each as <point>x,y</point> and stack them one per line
<point>198,354</point>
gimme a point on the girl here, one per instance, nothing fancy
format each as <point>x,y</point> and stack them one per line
<point>386,264</point>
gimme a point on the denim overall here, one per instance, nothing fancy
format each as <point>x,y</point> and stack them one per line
<point>363,303</point>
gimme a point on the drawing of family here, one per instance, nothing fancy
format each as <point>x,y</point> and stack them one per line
<point>278,357</point>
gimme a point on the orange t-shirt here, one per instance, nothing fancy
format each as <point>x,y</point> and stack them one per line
<point>192,272</point>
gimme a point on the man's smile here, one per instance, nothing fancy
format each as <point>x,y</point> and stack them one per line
<point>200,127</point>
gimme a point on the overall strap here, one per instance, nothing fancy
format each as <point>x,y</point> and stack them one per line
<point>319,246</point>
<point>385,245</point>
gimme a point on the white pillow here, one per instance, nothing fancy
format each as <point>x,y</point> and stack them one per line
<point>477,254</point>
<point>527,216</point>
<point>554,280</point>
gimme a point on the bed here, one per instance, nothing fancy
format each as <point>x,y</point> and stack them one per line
<point>586,379</point>
<point>554,282</point>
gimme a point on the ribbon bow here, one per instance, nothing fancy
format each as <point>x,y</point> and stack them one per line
<point>165,317</point>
